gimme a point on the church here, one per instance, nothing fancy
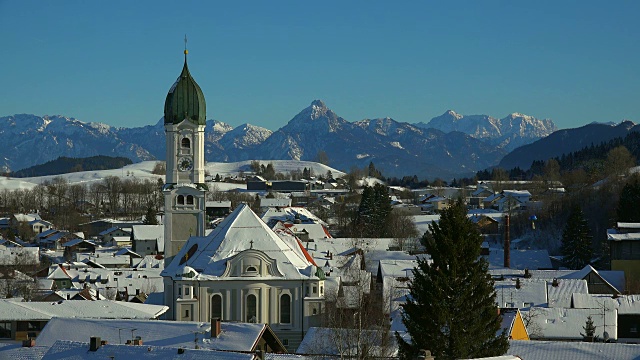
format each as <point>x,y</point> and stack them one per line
<point>241,271</point>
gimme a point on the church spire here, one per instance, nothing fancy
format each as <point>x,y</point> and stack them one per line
<point>185,100</point>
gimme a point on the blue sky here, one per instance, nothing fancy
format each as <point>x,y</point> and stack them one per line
<point>261,62</point>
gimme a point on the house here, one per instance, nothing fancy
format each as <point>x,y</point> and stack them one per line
<point>566,324</point>
<point>54,239</point>
<point>210,335</point>
<point>95,227</point>
<point>72,247</point>
<point>20,320</point>
<point>217,208</point>
<point>294,214</point>
<point>115,234</point>
<point>288,185</point>
<point>147,239</point>
<point>513,325</point>
<point>244,271</point>
<point>624,247</point>
<point>349,343</point>
<point>97,348</point>
<point>266,203</point>
<point>34,221</point>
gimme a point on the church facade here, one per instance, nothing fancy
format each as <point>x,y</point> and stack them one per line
<point>243,270</point>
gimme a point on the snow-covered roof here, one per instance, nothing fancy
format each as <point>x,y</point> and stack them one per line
<point>241,230</point>
<point>78,241</point>
<point>235,336</point>
<point>218,204</point>
<point>104,309</point>
<point>315,231</point>
<point>273,215</point>
<point>531,293</point>
<point>148,232</point>
<point>628,225</point>
<point>344,341</point>
<point>572,350</point>
<point>72,350</point>
<point>567,324</point>
<point>561,294</point>
<point>614,235</point>
<point>274,202</point>
<point>113,229</point>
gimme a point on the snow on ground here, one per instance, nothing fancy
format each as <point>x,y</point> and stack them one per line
<point>142,171</point>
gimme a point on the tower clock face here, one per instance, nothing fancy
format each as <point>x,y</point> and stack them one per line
<point>185,164</point>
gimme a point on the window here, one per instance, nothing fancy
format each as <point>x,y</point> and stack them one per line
<point>186,290</point>
<point>179,291</point>
<point>189,199</point>
<point>252,269</point>
<point>216,306</point>
<point>186,313</point>
<point>285,309</point>
<point>321,290</point>
<point>180,199</point>
<point>315,289</point>
<point>285,342</point>
<point>5,330</point>
<point>306,291</point>
<point>252,307</point>
<point>186,143</point>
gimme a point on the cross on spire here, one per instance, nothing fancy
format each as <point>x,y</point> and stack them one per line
<point>251,242</point>
<point>185,47</point>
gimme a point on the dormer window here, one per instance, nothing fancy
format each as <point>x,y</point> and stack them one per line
<point>251,270</point>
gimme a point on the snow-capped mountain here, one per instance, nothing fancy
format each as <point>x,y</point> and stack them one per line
<point>508,133</point>
<point>29,140</point>
<point>396,148</point>
<point>458,148</point>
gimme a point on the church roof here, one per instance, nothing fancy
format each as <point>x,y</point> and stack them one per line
<point>185,100</point>
<point>206,257</point>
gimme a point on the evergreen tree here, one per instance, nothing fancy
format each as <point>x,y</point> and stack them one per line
<point>589,330</point>
<point>576,241</point>
<point>451,309</point>
<point>150,217</point>
<point>373,212</point>
<point>628,209</point>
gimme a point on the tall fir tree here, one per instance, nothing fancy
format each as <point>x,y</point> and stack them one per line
<point>451,309</point>
<point>373,212</point>
<point>576,241</point>
<point>628,209</point>
<point>150,218</point>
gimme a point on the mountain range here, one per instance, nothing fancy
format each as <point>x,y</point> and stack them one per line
<point>450,145</point>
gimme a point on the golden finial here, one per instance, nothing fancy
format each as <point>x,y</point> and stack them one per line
<point>185,45</point>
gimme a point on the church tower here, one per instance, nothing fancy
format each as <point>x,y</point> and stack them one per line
<point>185,189</point>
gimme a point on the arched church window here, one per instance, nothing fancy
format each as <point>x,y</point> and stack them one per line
<point>186,143</point>
<point>180,200</point>
<point>252,309</point>
<point>285,309</point>
<point>189,199</point>
<point>216,306</point>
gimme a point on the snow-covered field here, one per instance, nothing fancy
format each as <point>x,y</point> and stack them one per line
<point>143,170</point>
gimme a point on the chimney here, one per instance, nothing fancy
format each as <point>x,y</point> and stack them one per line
<point>30,342</point>
<point>425,355</point>
<point>216,327</point>
<point>507,243</point>
<point>95,343</point>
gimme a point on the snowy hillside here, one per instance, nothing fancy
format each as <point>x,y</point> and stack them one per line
<point>143,170</point>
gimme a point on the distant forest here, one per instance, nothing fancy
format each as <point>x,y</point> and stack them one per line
<point>64,165</point>
<point>591,159</point>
